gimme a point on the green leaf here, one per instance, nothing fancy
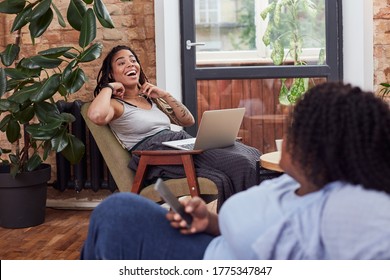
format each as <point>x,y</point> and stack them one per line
<point>88,29</point>
<point>66,74</point>
<point>283,94</point>
<point>48,89</point>
<point>102,14</point>
<point>13,131</point>
<point>267,10</point>
<point>25,93</point>
<point>75,13</point>
<point>46,149</point>
<point>8,106</point>
<point>74,151</point>
<point>297,89</point>
<point>39,26</point>
<point>61,20</point>
<point>60,141</point>
<point>277,12</point>
<point>277,54</point>
<point>39,61</point>
<point>46,112</point>
<point>42,132</point>
<point>16,74</point>
<point>91,53</point>
<point>33,162</point>
<point>76,80</point>
<point>70,55</point>
<point>4,122</point>
<point>4,151</point>
<point>54,52</point>
<point>9,55</point>
<point>21,18</point>
<point>26,115</point>
<point>66,117</point>
<point>40,10</point>
<point>32,73</point>
<point>14,159</point>
<point>63,90</point>
<point>267,36</point>
<point>3,82</point>
<point>12,6</point>
<point>385,90</point>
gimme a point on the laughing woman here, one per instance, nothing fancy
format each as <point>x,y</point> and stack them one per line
<point>134,109</point>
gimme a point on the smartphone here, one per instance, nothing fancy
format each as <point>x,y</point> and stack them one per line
<point>172,201</point>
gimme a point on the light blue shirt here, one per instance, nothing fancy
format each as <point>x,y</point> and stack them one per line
<point>269,221</point>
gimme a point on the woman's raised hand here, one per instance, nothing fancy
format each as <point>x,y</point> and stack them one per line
<point>119,89</point>
<point>153,91</point>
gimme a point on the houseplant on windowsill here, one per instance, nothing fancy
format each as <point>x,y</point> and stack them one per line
<point>286,31</point>
<point>30,119</point>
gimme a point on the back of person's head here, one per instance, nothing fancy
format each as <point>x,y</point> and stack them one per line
<point>105,77</point>
<point>340,133</point>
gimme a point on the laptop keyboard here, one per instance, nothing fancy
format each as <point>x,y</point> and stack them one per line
<point>187,146</point>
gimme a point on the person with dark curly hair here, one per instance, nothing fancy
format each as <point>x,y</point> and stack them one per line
<point>333,202</point>
<point>134,110</point>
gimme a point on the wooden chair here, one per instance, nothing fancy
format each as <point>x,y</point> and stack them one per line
<point>117,159</point>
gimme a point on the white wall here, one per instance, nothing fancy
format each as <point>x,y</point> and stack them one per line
<point>357,32</point>
<point>358,43</point>
<point>168,73</point>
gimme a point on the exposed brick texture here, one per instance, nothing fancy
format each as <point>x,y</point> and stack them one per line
<point>134,26</point>
<point>381,41</point>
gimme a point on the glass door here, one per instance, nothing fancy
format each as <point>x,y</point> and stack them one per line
<point>246,53</point>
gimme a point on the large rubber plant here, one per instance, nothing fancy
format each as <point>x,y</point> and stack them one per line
<point>31,85</point>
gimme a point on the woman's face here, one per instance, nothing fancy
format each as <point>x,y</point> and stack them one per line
<point>125,68</point>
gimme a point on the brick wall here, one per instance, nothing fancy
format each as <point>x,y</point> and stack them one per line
<point>134,26</point>
<point>381,41</point>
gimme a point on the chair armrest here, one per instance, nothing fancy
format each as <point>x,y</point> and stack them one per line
<point>167,157</point>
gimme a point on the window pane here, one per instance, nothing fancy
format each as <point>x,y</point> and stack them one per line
<point>256,32</point>
<point>265,118</point>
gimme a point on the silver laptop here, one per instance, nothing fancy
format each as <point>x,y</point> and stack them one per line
<point>217,129</point>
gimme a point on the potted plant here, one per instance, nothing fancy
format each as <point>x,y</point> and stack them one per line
<point>385,90</point>
<point>29,86</point>
<point>287,31</point>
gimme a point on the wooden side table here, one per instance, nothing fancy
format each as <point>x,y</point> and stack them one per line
<point>268,167</point>
<point>271,161</point>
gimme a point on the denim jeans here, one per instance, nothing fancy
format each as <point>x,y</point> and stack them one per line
<point>129,226</point>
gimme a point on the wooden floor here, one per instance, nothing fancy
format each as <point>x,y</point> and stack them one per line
<point>60,237</point>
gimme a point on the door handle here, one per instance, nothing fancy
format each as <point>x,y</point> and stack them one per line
<point>189,44</point>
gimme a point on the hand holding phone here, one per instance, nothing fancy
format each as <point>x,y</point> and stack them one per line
<point>172,201</point>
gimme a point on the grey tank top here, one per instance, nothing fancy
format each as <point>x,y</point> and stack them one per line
<point>135,124</point>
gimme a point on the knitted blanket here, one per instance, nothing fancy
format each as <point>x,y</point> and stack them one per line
<point>232,169</point>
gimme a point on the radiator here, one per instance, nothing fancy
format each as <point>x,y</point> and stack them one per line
<point>91,172</point>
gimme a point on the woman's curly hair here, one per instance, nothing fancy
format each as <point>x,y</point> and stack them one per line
<point>105,73</point>
<point>340,133</point>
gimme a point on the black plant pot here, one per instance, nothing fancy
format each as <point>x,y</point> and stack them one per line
<point>23,199</point>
